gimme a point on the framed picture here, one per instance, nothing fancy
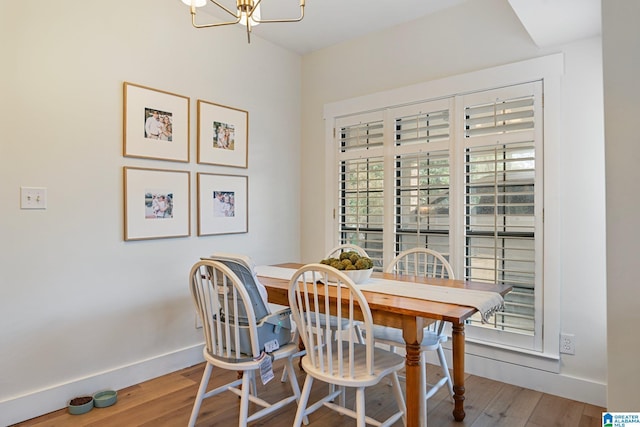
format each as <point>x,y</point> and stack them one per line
<point>156,203</point>
<point>222,135</point>
<point>156,124</point>
<point>222,204</point>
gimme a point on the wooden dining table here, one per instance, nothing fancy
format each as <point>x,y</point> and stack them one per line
<point>411,315</point>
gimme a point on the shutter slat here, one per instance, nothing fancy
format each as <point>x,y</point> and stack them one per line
<point>500,106</point>
<point>499,129</point>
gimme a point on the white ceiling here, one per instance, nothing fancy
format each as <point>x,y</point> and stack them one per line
<point>559,21</point>
<point>328,22</point>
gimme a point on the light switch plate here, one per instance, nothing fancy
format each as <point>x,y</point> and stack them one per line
<point>33,198</point>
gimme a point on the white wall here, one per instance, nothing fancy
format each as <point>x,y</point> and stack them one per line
<point>80,309</point>
<point>620,33</point>
<point>474,36</point>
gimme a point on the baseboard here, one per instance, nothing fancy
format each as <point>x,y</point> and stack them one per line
<point>579,389</point>
<point>40,402</point>
<point>534,378</point>
<point>557,384</point>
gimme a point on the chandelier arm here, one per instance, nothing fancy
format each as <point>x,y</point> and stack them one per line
<point>269,21</point>
<point>255,6</point>
<point>216,24</point>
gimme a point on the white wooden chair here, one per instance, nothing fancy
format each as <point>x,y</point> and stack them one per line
<point>227,308</point>
<point>318,290</point>
<point>335,252</point>
<point>429,263</point>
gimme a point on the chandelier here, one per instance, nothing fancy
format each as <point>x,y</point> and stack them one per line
<point>247,13</point>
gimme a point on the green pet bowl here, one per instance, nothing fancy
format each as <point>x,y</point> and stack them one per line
<point>80,405</point>
<point>105,398</point>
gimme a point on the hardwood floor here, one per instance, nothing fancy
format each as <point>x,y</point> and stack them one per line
<point>167,401</point>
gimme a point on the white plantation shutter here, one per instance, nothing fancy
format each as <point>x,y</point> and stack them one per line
<point>361,184</point>
<point>421,182</point>
<point>362,205</point>
<point>422,201</point>
<point>501,165</point>
<point>499,117</point>
<point>460,175</point>
<point>421,127</point>
<point>361,136</point>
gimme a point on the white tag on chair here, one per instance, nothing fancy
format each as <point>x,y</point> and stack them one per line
<point>271,346</point>
<point>266,368</point>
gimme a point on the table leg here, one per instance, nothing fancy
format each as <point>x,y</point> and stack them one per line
<point>458,370</point>
<point>412,334</point>
<point>300,348</point>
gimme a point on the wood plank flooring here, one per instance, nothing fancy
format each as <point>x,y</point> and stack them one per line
<point>167,401</point>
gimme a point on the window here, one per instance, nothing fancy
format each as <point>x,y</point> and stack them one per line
<point>361,204</point>
<point>421,183</point>
<point>500,167</point>
<point>461,175</point>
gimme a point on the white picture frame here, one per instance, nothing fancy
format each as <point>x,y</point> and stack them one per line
<point>157,203</point>
<point>222,204</point>
<point>222,135</point>
<point>156,124</point>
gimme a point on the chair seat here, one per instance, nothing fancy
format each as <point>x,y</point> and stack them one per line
<point>246,362</point>
<point>393,336</point>
<point>385,363</point>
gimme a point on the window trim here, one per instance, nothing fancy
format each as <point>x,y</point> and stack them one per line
<point>549,69</point>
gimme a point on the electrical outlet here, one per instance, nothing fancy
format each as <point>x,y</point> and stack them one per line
<point>567,343</point>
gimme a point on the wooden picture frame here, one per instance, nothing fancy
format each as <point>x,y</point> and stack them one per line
<point>156,124</point>
<point>222,204</point>
<point>222,135</point>
<point>157,203</point>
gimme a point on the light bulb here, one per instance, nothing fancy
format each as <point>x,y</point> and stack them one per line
<point>255,17</point>
<point>196,3</point>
